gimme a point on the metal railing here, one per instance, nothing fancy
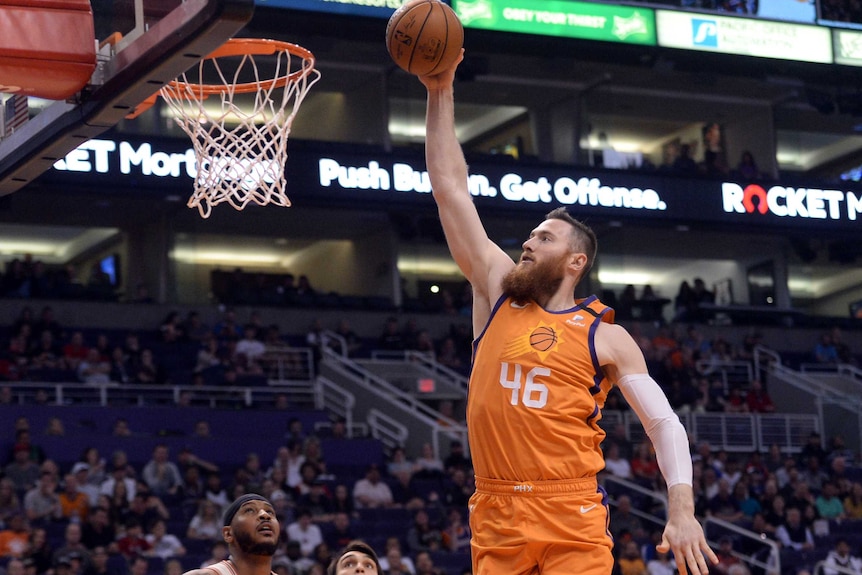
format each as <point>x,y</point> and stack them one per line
<point>336,400</point>
<point>731,372</point>
<point>769,562</point>
<point>285,363</point>
<point>734,432</point>
<point>395,397</point>
<point>113,394</point>
<point>391,433</point>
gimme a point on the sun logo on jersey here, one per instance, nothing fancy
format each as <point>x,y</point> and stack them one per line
<point>541,339</point>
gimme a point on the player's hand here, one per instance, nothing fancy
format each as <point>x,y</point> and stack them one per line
<point>684,537</point>
<point>442,79</point>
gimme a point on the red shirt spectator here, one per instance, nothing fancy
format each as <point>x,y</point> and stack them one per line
<point>758,399</point>
<point>75,351</point>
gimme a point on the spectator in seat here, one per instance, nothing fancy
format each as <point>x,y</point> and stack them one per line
<point>134,542</point>
<point>341,532</point>
<point>74,504</point>
<point>840,557</point>
<point>747,168</point>
<point>853,501</point>
<point>41,503</point>
<point>623,520</point>
<point>630,561</point>
<point>249,350</point>
<point>15,537</point>
<point>661,564</point>
<point>75,351</point>
<point>723,505</point>
<point>98,530</point>
<point>393,552</point>
<point>758,398</point>
<point>10,503</point>
<point>427,464</point>
<point>371,492</point>
<point>456,535</point>
<point>160,474</point>
<point>726,557</point>
<point>307,533</point>
<point>425,564</point>
<point>205,524</point>
<point>98,564</point>
<point>423,535</point>
<point>22,471</point>
<point>164,544</point>
<point>793,533</point>
<point>828,504</point>
<point>825,350</point>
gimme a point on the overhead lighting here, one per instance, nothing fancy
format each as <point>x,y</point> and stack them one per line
<point>226,257</point>
<point>440,266</point>
<point>610,277</point>
<point>34,248</point>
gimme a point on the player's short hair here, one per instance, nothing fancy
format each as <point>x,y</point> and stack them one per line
<point>356,545</point>
<point>584,238</point>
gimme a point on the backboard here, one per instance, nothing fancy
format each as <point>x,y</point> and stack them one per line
<point>142,45</point>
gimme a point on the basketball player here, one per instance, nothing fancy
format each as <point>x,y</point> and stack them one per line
<point>251,532</point>
<point>543,365</point>
<point>357,558</point>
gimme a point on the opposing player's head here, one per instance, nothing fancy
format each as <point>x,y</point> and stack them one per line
<point>559,249</point>
<point>251,526</point>
<point>356,558</point>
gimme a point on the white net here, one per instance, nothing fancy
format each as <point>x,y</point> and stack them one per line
<point>239,123</point>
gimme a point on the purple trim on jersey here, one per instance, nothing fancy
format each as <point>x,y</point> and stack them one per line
<point>606,504</point>
<point>497,305</point>
<point>580,305</point>
<point>599,375</point>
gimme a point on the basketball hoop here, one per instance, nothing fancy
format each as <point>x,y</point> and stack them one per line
<point>245,162</point>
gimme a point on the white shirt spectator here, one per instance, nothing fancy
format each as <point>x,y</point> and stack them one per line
<point>93,369</point>
<point>250,347</point>
<point>616,464</point>
<point>307,533</point>
<point>107,487</point>
<point>164,544</point>
<point>371,492</point>
<point>841,557</point>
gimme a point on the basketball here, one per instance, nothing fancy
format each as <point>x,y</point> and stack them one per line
<point>424,37</point>
<point>543,338</point>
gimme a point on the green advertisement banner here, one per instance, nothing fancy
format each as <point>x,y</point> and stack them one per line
<point>560,18</point>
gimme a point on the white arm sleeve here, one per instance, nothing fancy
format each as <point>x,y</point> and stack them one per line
<point>661,424</point>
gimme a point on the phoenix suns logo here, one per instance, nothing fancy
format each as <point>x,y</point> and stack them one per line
<point>541,339</point>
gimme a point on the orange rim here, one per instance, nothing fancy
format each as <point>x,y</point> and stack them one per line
<point>252,47</point>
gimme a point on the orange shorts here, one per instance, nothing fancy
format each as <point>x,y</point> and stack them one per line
<point>540,528</point>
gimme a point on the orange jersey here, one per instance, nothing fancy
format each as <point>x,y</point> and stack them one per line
<point>536,392</point>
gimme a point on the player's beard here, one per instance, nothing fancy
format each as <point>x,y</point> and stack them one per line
<point>246,543</point>
<point>534,282</point>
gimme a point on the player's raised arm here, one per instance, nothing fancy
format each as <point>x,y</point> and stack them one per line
<point>624,364</point>
<point>482,262</point>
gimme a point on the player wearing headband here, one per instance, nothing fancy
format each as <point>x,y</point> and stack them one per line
<point>251,532</point>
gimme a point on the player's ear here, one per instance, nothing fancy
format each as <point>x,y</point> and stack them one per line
<point>578,261</point>
<point>227,534</point>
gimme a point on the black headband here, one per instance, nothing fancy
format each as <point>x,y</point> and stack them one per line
<point>239,502</point>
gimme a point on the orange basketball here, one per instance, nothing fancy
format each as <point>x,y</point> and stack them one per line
<point>543,338</point>
<point>424,37</point>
